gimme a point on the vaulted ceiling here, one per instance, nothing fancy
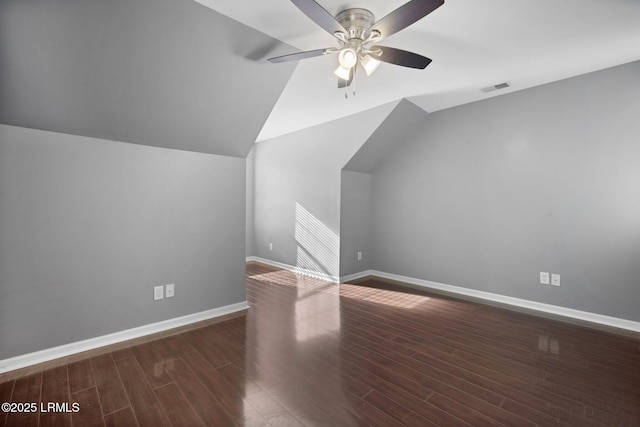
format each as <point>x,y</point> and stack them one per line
<point>473,44</point>
<point>168,73</point>
<point>193,75</point>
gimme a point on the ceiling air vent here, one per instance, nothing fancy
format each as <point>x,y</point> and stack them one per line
<point>496,87</point>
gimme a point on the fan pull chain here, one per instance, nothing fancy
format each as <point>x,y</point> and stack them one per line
<point>346,92</point>
<point>353,87</point>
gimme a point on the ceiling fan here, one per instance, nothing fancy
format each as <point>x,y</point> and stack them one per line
<point>356,30</point>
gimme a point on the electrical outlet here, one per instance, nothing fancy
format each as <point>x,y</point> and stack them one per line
<point>555,279</point>
<point>158,293</point>
<point>169,290</point>
<point>270,246</point>
<point>544,278</point>
<point>359,256</point>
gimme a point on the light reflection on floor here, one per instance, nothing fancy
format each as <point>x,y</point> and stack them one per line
<point>381,296</point>
<point>304,284</point>
<point>307,284</point>
<point>548,345</point>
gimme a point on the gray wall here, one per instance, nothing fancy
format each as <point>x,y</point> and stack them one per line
<point>355,222</point>
<point>297,190</point>
<point>356,185</point>
<point>487,195</point>
<point>88,227</point>
<point>250,195</point>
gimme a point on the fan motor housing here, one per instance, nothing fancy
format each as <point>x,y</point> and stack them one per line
<point>356,21</point>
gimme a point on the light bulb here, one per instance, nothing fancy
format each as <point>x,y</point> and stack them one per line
<point>347,58</point>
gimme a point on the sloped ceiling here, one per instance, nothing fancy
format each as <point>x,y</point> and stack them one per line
<point>395,127</point>
<point>167,73</point>
<point>193,75</point>
<point>474,44</point>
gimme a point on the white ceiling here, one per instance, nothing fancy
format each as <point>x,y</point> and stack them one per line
<point>473,44</point>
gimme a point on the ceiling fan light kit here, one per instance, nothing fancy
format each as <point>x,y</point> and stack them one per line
<point>369,64</point>
<point>347,57</point>
<point>356,29</point>
<point>342,72</point>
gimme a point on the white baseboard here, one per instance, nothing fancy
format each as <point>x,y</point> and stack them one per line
<point>356,276</point>
<point>299,270</point>
<point>516,302</point>
<point>93,343</point>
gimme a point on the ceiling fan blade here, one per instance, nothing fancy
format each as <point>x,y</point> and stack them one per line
<point>301,55</point>
<point>400,57</point>
<point>320,16</point>
<point>404,16</point>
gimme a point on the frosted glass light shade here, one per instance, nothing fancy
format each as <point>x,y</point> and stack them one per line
<point>342,72</point>
<point>369,64</point>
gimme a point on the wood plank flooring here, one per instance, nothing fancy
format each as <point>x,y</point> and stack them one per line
<point>313,353</point>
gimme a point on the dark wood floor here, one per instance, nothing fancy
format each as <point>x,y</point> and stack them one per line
<point>319,354</point>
